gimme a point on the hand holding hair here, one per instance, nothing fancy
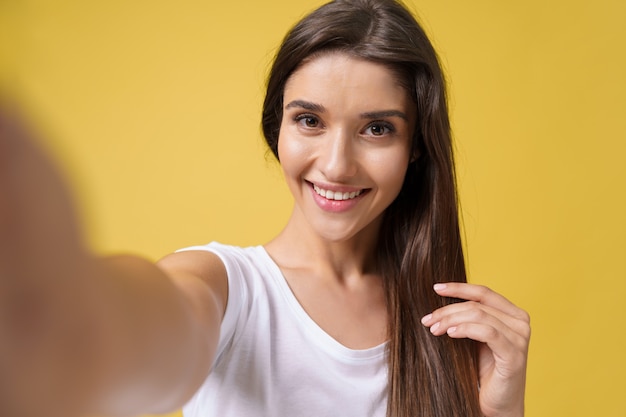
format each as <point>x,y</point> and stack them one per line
<point>503,331</point>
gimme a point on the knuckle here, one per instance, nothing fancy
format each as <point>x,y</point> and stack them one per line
<point>521,344</point>
<point>524,316</point>
<point>492,333</point>
<point>479,315</point>
<point>483,290</point>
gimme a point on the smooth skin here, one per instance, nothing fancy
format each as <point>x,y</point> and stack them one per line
<point>143,336</point>
<point>346,127</point>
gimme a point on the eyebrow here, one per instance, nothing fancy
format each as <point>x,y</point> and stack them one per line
<point>315,107</point>
<point>384,113</point>
<point>306,105</point>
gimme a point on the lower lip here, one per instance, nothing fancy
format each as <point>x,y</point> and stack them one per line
<point>335,206</point>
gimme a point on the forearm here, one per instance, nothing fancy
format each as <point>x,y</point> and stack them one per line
<point>78,333</point>
<point>119,339</point>
<point>160,339</point>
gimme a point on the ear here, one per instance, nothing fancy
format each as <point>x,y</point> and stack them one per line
<point>415,156</point>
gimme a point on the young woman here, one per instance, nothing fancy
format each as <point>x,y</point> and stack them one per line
<point>359,307</point>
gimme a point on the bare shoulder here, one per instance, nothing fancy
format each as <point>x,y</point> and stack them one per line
<point>203,264</point>
<point>195,272</point>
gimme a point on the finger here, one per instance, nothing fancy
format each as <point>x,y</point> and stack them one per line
<point>481,294</point>
<point>508,351</point>
<point>477,316</point>
<point>519,326</point>
<point>509,356</point>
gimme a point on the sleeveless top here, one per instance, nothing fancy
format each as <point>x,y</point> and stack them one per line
<point>273,360</point>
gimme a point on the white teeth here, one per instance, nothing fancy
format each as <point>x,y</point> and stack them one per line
<point>336,195</point>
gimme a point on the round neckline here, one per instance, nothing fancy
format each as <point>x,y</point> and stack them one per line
<point>318,335</point>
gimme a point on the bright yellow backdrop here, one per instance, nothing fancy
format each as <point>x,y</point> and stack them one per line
<point>153,109</point>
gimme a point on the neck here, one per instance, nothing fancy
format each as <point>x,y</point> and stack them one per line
<point>298,246</point>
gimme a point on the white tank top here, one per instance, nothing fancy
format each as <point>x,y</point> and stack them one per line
<point>273,360</point>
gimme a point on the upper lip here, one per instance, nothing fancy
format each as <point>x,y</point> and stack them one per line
<point>336,188</point>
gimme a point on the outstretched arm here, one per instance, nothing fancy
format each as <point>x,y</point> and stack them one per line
<point>503,331</point>
<point>81,334</point>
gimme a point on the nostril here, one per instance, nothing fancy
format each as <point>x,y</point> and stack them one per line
<point>339,165</point>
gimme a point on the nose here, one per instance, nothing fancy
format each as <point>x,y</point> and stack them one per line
<point>338,156</point>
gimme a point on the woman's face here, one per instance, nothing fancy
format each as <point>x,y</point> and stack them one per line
<point>344,143</point>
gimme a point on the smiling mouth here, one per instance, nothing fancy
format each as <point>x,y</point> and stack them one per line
<point>337,195</point>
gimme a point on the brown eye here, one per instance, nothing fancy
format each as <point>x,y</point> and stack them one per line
<point>379,129</point>
<point>308,121</point>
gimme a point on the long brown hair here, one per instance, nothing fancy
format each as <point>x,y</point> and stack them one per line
<point>420,242</point>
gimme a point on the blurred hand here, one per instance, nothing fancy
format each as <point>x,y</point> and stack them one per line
<point>36,215</point>
<point>41,262</point>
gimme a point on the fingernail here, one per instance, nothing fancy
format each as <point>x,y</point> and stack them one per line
<point>434,327</point>
<point>451,330</point>
<point>426,318</point>
<point>439,287</point>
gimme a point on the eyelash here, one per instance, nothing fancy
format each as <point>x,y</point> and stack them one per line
<point>303,118</point>
<point>385,125</point>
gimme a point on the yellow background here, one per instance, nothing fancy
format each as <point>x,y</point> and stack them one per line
<point>153,109</point>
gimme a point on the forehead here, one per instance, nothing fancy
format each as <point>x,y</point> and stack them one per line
<point>341,78</point>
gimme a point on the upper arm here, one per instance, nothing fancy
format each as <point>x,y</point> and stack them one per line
<point>201,277</point>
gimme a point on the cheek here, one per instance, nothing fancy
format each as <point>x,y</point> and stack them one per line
<point>397,179</point>
<point>291,153</point>
<point>390,169</point>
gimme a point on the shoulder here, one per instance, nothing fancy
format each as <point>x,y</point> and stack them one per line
<point>221,267</point>
<point>198,272</point>
<point>199,261</point>
<point>216,258</point>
